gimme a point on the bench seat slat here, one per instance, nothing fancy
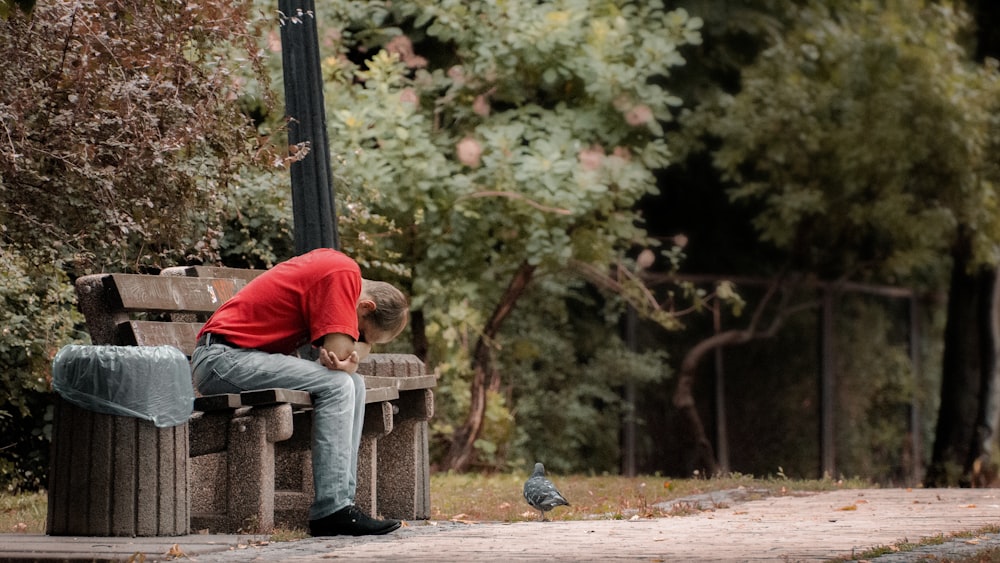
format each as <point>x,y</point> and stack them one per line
<point>262,397</point>
<point>379,394</point>
<point>224,401</point>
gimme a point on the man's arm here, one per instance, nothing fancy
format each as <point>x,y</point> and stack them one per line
<point>341,352</point>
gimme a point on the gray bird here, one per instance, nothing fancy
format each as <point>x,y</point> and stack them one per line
<point>541,493</point>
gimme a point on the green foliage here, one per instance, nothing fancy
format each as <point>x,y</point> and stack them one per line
<point>257,221</point>
<point>7,7</point>
<point>566,369</point>
<point>493,149</point>
<point>876,388</point>
<point>120,134</point>
<point>482,136</point>
<point>865,136</point>
<point>118,121</point>
<point>38,316</point>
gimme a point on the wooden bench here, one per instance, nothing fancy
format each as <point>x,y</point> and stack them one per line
<point>249,453</point>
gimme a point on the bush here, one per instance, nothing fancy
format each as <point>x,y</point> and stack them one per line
<point>38,317</point>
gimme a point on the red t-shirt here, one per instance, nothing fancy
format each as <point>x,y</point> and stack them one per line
<point>298,301</point>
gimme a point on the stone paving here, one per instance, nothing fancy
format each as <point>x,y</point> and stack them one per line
<point>811,527</point>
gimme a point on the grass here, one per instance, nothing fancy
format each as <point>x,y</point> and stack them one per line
<point>24,513</point>
<point>497,497</point>
<point>985,555</point>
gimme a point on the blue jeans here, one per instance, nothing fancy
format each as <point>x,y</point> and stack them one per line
<point>337,417</point>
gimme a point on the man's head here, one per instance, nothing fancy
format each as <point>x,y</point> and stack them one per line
<point>383,312</point>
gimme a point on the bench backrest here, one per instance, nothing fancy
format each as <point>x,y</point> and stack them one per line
<point>147,310</point>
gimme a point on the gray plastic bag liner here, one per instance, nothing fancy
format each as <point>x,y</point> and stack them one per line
<point>148,382</point>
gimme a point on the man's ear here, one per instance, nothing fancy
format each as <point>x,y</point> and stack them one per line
<point>366,306</point>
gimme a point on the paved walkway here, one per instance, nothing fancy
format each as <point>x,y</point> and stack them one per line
<point>812,527</point>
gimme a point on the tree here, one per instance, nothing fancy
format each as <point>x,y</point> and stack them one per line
<point>120,129</point>
<point>117,112</point>
<point>865,137</point>
<point>507,142</point>
<point>969,415</point>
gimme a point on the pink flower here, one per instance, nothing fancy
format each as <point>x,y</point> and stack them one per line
<point>638,115</point>
<point>402,46</point>
<point>409,96</point>
<point>469,152</point>
<point>622,153</point>
<point>592,157</point>
<point>273,41</point>
<point>481,106</point>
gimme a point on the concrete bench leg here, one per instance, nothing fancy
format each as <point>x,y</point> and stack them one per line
<point>378,425</point>
<point>247,469</point>
<point>404,462</point>
<point>293,488</point>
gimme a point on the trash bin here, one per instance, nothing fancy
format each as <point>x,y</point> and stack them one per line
<point>119,463</point>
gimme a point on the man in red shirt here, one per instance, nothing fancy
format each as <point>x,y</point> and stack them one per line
<point>250,342</point>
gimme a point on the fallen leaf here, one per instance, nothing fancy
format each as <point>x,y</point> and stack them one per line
<point>969,506</point>
<point>861,501</point>
<point>463,521</point>
<point>849,507</point>
<point>175,551</point>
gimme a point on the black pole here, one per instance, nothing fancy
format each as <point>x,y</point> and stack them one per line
<point>313,207</point>
<point>827,388</point>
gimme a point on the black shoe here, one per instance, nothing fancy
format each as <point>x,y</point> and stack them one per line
<point>351,521</point>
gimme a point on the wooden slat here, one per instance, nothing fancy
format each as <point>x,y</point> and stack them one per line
<point>408,383</point>
<point>171,294</point>
<point>262,397</point>
<point>221,272</point>
<point>182,336</point>
<point>380,394</point>
<point>223,401</point>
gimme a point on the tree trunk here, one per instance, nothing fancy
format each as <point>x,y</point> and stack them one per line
<point>484,374</point>
<point>967,419</point>
<point>418,335</point>
<point>702,457</point>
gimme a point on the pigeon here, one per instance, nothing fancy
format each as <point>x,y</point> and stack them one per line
<point>541,493</point>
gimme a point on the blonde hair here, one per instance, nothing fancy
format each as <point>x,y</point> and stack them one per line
<point>392,309</point>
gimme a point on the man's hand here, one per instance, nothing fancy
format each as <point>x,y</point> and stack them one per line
<point>331,361</point>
